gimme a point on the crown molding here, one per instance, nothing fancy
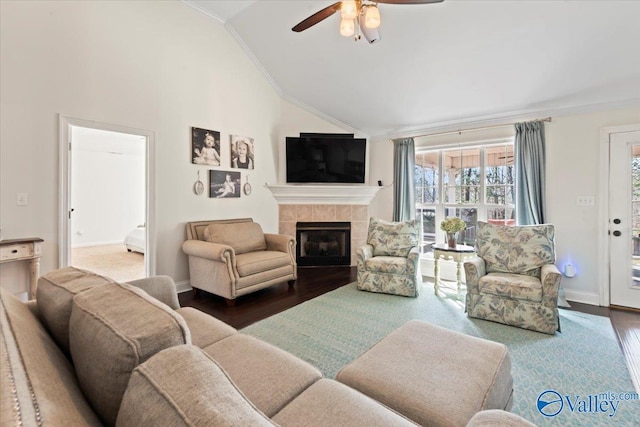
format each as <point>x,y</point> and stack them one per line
<point>324,116</point>
<point>254,59</point>
<point>202,10</point>
<point>231,30</point>
<point>469,123</point>
<point>464,123</point>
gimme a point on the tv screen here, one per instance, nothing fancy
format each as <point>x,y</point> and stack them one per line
<point>325,159</point>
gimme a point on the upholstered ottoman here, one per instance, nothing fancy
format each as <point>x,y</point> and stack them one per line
<point>432,375</point>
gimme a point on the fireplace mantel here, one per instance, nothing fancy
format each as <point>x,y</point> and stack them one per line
<point>323,194</point>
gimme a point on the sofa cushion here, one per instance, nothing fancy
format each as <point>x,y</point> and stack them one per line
<point>521,249</point>
<point>387,264</point>
<point>268,376</point>
<point>330,403</point>
<point>55,294</point>
<point>514,286</point>
<point>243,237</point>
<point>497,418</point>
<point>204,328</point>
<point>113,328</point>
<point>182,386</point>
<point>393,238</point>
<point>257,262</point>
<point>37,381</point>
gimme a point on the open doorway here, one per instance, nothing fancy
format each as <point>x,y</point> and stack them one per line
<point>105,200</point>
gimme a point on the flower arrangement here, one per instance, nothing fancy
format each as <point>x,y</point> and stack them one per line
<point>452,224</point>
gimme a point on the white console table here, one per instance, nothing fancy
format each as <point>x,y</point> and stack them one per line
<point>20,250</point>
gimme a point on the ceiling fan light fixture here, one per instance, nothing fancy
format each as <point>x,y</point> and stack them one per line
<point>349,10</point>
<point>372,17</point>
<point>347,27</point>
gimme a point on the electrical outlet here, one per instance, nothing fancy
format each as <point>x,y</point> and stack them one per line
<point>585,201</point>
<point>22,199</point>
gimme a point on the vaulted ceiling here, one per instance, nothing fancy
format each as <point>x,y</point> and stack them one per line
<point>444,63</point>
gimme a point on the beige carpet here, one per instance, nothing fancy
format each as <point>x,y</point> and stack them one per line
<point>113,261</point>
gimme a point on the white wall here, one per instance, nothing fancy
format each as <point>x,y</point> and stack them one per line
<point>159,66</point>
<point>573,169</point>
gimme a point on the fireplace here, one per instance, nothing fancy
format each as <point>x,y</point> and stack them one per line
<point>323,243</point>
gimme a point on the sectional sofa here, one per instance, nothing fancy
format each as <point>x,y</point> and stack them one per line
<point>89,352</point>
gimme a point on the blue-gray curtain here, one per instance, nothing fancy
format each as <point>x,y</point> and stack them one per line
<point>530,173</point>
<point>404,162</point>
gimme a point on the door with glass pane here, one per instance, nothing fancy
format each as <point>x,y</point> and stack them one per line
<point>624,221</point>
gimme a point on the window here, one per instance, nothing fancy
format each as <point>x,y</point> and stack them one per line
<point>473,183</point>
<point>635,203</point>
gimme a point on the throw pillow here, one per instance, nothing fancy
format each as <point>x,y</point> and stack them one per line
<point>113,328</point>
<point>54,297</point>
<point>243,237</point>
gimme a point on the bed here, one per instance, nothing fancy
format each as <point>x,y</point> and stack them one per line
<point>135,241</point>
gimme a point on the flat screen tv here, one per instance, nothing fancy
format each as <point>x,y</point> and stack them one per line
<point>326,158</point>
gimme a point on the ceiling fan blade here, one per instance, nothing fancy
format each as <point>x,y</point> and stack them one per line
<point>408,1</point>
<point>317,17</point>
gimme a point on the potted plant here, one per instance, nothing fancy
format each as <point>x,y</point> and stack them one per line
<point>452,225</point>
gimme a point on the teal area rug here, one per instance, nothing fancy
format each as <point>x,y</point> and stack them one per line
<point>579,364</point>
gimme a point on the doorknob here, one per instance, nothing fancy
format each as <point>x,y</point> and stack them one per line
<point>617,233</point>
<point>617,221</point>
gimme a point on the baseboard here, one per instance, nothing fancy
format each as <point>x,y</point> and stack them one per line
<point>86,245</point>
<point>448,271</point>
<point>183,286</point>
<point>583,297</point>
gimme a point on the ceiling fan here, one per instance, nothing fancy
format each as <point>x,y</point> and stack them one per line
<point>358,16</point>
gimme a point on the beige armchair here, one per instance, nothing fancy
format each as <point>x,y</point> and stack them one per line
<point>390,261</point>
<point>513,279</point>
<point>233,257</point>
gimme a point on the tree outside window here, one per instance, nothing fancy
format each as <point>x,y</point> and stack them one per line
<point>472,183</point>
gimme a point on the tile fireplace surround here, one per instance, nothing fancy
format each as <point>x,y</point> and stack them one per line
<point>357,215</point>
<point>313,203</point>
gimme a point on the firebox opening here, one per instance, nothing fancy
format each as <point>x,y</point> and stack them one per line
<point>323,243</point>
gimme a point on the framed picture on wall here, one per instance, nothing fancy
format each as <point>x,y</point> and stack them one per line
<point>242,153</point>
<point>205,146</point>
<point>224,184</point>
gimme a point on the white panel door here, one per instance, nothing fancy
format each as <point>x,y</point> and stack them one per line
<point>624,221</point>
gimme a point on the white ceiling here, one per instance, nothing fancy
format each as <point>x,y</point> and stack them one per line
<point>445,63</point>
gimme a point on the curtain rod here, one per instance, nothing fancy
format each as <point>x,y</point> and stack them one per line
<point>459,131</point>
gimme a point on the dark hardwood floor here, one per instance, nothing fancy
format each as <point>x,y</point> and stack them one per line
<point>315,281</point>
<point>248,309</point>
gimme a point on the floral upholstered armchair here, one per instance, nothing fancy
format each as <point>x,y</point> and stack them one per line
<point>390,261</point>
<point>513,279</point>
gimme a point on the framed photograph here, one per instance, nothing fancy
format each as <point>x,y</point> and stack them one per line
<point>224,184</point>
<point>205,147</point>
<point>242,154</point>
